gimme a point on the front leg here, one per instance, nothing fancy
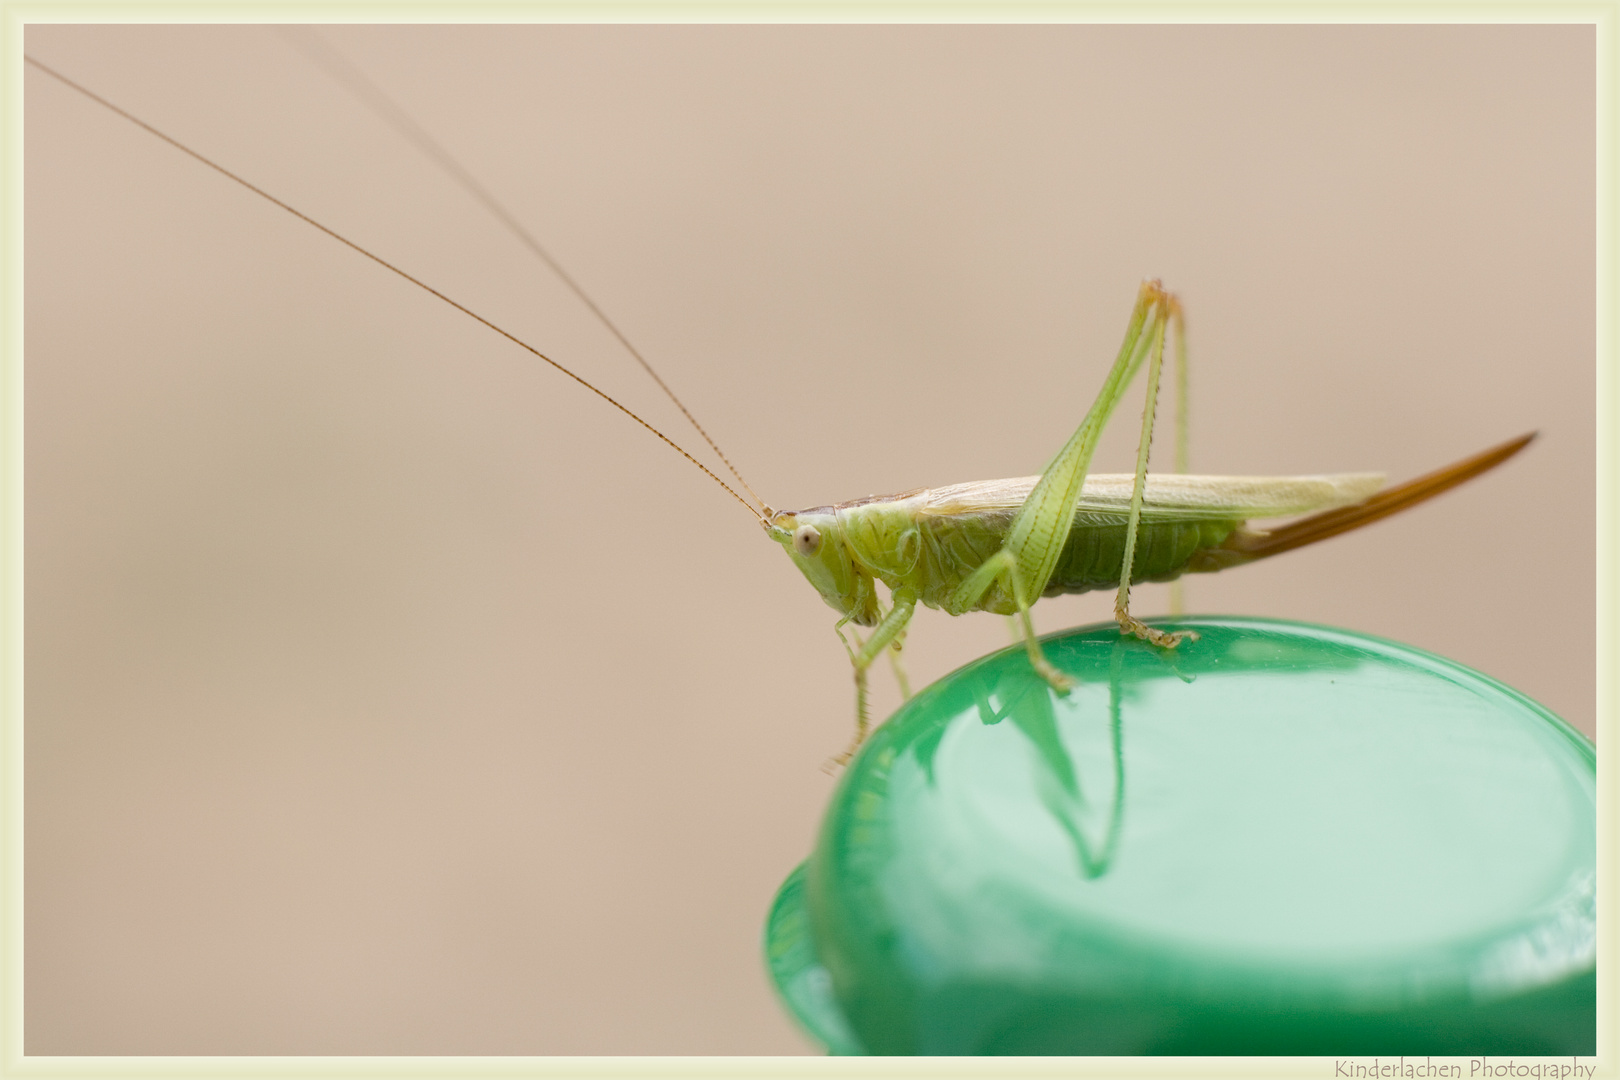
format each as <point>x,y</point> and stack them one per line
<point>897,662</point>
<point>887,632</point>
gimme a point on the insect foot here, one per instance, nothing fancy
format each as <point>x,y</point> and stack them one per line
<point>1129,624</point>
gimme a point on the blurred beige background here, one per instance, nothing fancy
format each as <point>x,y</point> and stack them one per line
<point>388,695</point>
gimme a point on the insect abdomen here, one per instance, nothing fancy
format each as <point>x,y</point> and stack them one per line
<point>1093,555</point>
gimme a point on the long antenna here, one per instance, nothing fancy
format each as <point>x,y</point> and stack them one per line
<point>389,111</point>
<point>380,261</point>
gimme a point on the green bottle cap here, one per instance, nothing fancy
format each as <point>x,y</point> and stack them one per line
<point>1278,839</point>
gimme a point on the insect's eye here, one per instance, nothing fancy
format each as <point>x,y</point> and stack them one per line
<point>806,540</point>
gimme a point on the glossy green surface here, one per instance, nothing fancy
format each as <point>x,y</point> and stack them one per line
<point>1277,839</point>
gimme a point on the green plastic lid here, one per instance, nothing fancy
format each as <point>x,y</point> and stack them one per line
<point>1278,839</point>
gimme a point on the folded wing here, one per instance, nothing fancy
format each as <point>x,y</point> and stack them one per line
<point>1168,496</point>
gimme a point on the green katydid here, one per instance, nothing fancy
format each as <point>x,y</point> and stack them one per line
<point>1001,545</point>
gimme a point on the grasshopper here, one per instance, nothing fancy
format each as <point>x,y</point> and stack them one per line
<point>1000,546</point>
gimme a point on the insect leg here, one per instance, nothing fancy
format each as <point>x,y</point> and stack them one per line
<point>1042,525</point>
<point>892,626</point>
<point>1004,564</point>
<point>895,649</point>
<point>1178,324</point>
<point>899,665</point>
<point>1128,624</point>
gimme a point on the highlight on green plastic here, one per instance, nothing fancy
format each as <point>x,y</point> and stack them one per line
<point>1280,839</point>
